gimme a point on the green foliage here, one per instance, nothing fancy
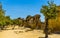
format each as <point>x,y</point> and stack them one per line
<point>2,13</point>
<point>8,20</point>
<point>49,11</point>
<point>16,21</point>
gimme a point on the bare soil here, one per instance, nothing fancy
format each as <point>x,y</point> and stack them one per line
<point>23,34</point>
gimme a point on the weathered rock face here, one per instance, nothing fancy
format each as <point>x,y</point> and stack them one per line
<point>54,24</point>
<point>33,21</point>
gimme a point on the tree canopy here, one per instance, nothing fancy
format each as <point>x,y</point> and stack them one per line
<point>49,11</point>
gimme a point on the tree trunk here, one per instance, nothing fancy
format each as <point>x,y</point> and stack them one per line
<point>46,28</point>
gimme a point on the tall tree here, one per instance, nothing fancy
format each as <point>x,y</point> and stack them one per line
<point>2,16</point>
<point>49,11</point>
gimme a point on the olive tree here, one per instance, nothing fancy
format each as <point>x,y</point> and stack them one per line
<point>49,11</point>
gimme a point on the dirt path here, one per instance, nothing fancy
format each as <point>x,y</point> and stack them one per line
<point>12,34</point>
<point>8,34</point>
<point>30,34</point>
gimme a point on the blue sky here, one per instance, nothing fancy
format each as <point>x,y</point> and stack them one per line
<point>23,8</point>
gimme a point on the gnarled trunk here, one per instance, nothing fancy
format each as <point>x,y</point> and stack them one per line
<point>46,28</point>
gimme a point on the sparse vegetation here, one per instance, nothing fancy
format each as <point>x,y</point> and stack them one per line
<point>51,24</point>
